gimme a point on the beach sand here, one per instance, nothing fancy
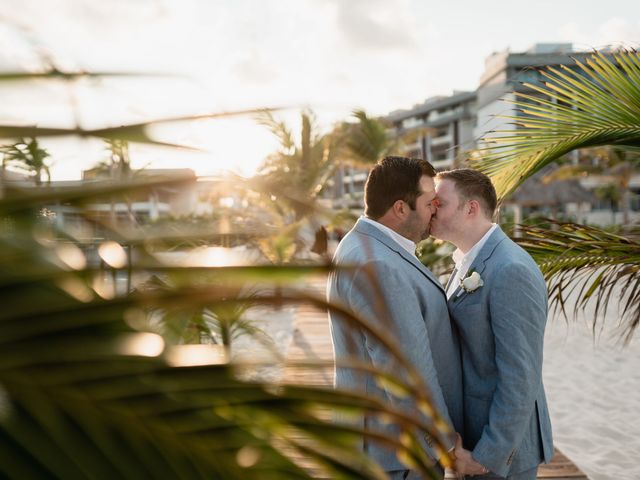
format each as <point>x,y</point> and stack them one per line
<point>593,389</point>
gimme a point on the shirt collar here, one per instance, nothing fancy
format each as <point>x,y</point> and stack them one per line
<point>464,260</point>
<point>404,242</point>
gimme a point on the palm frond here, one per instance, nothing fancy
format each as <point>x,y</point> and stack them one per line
<point>367,140</point>
<point>587,266</point>
<point>598,103</point>
<point>134,132</point>
<point>278,128</point>
<point>23,199</point>
<point>87,391</point>
<point>54,73</point>
<point>83,384</point>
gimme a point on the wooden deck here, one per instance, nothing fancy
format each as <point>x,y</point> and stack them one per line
<point>312,340</point>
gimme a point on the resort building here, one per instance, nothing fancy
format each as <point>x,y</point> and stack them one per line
<point>439,130</point>
<point>506,74</point>
<point>443,129</point>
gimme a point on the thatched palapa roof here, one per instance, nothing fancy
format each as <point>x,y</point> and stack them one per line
<point>536,193</point>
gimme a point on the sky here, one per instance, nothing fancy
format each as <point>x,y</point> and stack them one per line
<point>212,56</point>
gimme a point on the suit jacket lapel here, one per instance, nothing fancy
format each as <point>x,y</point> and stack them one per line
<point>478,264</point>
<point>376,233</point>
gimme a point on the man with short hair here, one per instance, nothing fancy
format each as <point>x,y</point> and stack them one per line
<point>389,287</point>
<point>497,297</point>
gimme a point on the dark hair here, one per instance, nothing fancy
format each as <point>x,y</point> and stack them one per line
<point>473,185</point>
<point>392,179</point>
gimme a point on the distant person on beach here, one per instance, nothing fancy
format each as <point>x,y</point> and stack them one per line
<point>497,298</point>
<point>389,287</point>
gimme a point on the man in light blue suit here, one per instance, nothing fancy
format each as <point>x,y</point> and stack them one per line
<point>497,298</point>
<point>389,287</point>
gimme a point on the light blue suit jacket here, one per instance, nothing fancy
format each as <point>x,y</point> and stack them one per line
<point>501,328</point>
<point>404,298</point>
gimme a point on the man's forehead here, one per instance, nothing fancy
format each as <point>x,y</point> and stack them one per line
<point>426,184</point>
<point>444,184</point>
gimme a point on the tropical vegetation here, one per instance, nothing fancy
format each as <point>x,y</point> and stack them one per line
<point>109,366</point>
<point>594,106</point>
<point>100,380</point>
<point>27,156</point>
<point>308,165</point>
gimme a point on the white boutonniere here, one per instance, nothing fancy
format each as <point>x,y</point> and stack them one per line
<point>471,282</point>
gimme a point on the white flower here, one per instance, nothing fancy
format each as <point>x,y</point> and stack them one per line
<point>472,282</point>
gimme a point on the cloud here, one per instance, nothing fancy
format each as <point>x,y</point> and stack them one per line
<point>254,69</point>
<point>17,51</point>
<point>619,30</point>
<point>613,31</point>
<point>376,25</point>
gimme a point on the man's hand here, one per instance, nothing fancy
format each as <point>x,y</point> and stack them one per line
<point>465,463</point>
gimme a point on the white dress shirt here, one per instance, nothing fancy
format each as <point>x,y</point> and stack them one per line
<point>404,242</point>
<point>464,261</point>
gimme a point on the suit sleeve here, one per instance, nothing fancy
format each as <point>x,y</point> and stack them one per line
<point>393,305</point>
<point>518,314</point>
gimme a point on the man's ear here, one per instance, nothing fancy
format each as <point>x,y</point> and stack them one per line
<point>474,208</point>
<point>400,208</point>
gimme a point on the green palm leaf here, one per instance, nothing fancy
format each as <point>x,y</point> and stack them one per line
<point>135,132</point>
<point>588,266</point>
<point>79,381</point>
<point>597,104</point>
<point>367,141</point>
<point>292,178</point>
<point>53,74</point>
<point>86,392</point>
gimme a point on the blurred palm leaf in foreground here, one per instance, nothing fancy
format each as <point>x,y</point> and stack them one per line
<point>597,105</point>
<point>90,389</point>
<point>87,392</point>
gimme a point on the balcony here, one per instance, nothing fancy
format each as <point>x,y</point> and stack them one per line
<point>442,140</point>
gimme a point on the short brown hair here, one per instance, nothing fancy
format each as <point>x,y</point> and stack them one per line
<point>394,178</point>
<point>473,185</point>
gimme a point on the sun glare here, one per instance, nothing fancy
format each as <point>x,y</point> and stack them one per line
<point>113,254</point>
<point>142,344</point>
<point>195,355</point>
<point>237,145</point>
<point>208,257</point>
<point>217,257</point>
